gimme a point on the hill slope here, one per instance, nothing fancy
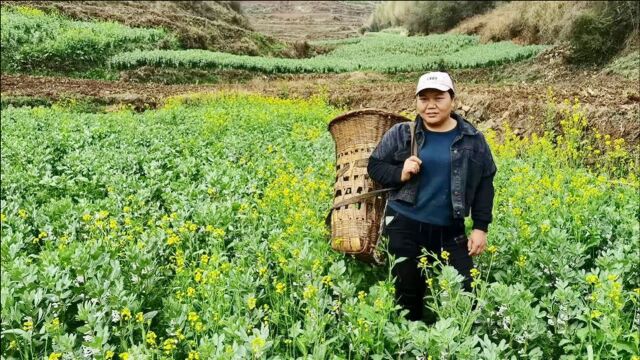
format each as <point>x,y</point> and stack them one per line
<point>308,20</point>
<point>212,25</point>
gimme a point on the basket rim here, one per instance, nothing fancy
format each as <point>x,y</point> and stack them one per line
<point>366,111</point>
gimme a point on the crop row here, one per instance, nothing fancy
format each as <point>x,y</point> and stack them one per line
<point>384,53</point>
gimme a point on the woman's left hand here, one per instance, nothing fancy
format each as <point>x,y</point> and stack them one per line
<point>477,242</point>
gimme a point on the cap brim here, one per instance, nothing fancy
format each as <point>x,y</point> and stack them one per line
<point>433,86</point>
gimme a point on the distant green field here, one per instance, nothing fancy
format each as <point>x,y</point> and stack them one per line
<point>386,53</point>
<point>33,40</point>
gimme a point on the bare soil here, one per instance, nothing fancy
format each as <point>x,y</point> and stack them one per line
<point>611,103</point>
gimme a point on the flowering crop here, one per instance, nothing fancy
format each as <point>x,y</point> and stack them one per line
<point>197,231</point>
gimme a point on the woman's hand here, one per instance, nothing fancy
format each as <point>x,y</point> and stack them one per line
<point>411,167</point>
<point>477,242</point>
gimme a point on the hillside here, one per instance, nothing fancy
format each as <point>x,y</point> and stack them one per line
<point>212,25</point>
<point>308,20</point>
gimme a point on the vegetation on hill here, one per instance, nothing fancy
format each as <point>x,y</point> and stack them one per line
<point>388,53</point>
<point>424,17</point>
<point>596,31</point>
<point>212,25</point>
<point>33,40</point>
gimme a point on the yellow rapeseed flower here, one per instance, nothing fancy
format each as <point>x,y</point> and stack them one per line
<point>199,326</point>
<point>109,354</point>
<point>362,295</point>
<point>309,292</point>
<point>429,282</point>
<point>251,303</point>
<point>280,288</point>
<point>193,316</point>
<point>592,279</point>
<point>172,240</point>
<point>151,338</point>
<point>124,356</point>
<point>492,249</point>
<point>257,344</point>
<point>55,356</point>
<point>197,276</point>
<point>139,317</point>
<point>262,271</point>
<point>191,292</point>
<point>423,263</point>
<point>544,227</point>
<point>126,314</point>
<point>475,273</point>
<point>444,284</point>
<point>193,355</point>
<point>27,325</point>
<point>169,345</point>
<point>595,314</point>
<point>522,261</point>
<point>445,255</point>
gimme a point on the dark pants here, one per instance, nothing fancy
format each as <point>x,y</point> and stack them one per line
<point>406,239</point>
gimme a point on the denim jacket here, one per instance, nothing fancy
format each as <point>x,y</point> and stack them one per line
<point>472,169</point>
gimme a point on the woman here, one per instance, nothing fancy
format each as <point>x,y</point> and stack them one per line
<point>450,178</point>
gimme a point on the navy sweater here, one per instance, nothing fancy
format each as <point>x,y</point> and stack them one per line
<point>433,202</point>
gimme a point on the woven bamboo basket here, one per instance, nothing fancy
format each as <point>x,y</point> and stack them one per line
<point>358,202</point>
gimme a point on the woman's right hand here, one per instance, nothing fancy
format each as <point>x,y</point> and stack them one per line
<point>411,167</point>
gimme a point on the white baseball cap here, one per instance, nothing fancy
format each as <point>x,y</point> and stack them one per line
<point>435,80</point>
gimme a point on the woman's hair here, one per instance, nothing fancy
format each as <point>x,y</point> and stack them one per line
<point>451,93</point>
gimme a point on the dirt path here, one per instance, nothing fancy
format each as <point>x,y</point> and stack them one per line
<point>611,106</point>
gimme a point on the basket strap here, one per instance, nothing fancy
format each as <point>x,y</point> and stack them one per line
<point>414,145</point>
<point>360,197</point>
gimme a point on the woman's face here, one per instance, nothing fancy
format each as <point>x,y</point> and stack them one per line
<point>434,106</point>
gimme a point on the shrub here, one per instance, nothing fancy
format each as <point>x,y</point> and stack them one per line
<point>600,33</point>
<point>425,17</point>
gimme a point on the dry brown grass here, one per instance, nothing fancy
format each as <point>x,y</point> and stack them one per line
<point>530,22</point>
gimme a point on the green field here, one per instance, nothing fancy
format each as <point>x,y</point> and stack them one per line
<point>197,231</point>
<point>33,40</point>
<point>386,53</point>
